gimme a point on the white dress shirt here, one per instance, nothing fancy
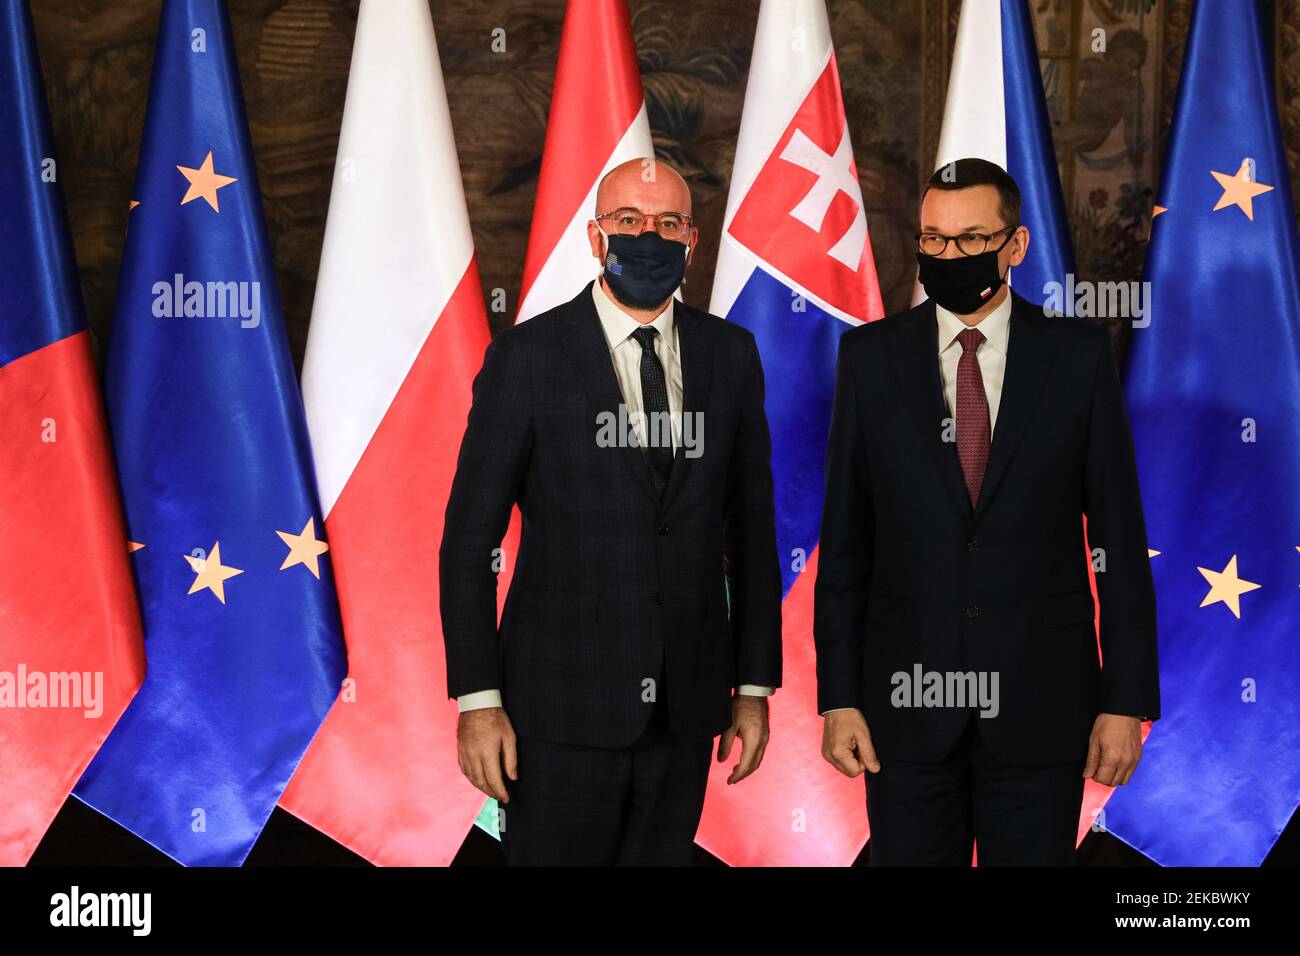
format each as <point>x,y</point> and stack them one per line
<point>992,356</point>
<point>625,353</point>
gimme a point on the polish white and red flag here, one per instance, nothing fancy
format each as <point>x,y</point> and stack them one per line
<point>597,120</point>
<point>795,267</point>
<point>398,331</point>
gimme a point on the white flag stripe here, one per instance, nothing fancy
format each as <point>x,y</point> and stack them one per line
<point>571,265</point>
<point>781,82</point>
<point>778,80</point>
<point>397,237</point>
<point>974,113</point>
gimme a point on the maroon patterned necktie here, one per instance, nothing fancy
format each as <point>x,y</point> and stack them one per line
<point>973,432</point>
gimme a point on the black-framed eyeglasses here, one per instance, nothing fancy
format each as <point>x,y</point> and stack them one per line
<point>628,221</point>
<point>968,243</point>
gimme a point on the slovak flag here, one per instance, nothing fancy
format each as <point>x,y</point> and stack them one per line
<point>795,268</point>
<point>597,120</point>
<point>398,331</point>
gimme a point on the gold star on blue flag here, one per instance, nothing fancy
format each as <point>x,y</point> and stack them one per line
<point>213,455</point>
<point>1213,390</point>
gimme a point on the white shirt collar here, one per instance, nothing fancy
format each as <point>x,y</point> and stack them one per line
<point>619,326</point>
<point>996,326</point>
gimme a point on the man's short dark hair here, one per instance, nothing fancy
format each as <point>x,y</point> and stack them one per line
<point>964,173</point>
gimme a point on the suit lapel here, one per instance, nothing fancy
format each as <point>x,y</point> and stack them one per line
<point>694,341</point>
<point>1029,359</point>
<point>916,359</point>
<point>589,352</point>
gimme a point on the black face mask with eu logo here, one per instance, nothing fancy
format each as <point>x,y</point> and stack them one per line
<point>643,271</point>
<point>961,284</point>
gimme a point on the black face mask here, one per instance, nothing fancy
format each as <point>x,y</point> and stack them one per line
<point>962,284</point>
<point>643,271</point>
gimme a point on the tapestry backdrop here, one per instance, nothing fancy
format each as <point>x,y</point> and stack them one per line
<point>1110,71</point>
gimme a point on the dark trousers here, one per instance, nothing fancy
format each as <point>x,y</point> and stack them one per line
<point>593,806</point>
<point>930,814</point>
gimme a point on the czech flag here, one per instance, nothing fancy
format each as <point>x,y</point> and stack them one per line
<point>71,655</point>
<point>996,111</point>
<point>1001,115</point>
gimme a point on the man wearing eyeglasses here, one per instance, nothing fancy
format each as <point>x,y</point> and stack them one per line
<point>629,429</point>
<point>954,625</point>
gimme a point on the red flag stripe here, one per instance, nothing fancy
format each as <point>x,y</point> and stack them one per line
<point>69,601</point>
<point>596,97</point>
<point>382,776</point>
<point>801,810</point>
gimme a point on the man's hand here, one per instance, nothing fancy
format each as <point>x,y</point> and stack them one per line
<point>484,741</point>
<point>749,723</point>
<point>1114,749</point>
<point>846,742</point>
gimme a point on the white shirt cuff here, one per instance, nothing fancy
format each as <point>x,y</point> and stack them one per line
<point>479,700</point>
<point>492,698</point>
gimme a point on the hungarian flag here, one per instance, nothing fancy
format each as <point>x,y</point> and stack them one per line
<point>71,655</point>
<point>597,120</point>
<point>398,331</point>
<point>795,268</point>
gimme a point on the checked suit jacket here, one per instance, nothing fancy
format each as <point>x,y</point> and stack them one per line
<point>618,595</point>
<point>910,574</point>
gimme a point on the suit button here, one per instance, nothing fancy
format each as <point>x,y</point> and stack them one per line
<point>658,598</point>
<point>972,546</point>
<point>662,528</point>
<point>973,611</point>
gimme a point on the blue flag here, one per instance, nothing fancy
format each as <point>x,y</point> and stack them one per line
<point>1031,160</point>
<point>38,270</point>
<point>242,633</point>
<point>1214,396</point>
<point>996,110</point>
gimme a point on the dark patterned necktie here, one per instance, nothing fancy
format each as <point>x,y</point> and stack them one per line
<point>973,432</point>
<point>654,405</point>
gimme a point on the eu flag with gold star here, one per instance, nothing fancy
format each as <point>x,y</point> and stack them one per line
<point>1214,395</point>
<point>242,634</point>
